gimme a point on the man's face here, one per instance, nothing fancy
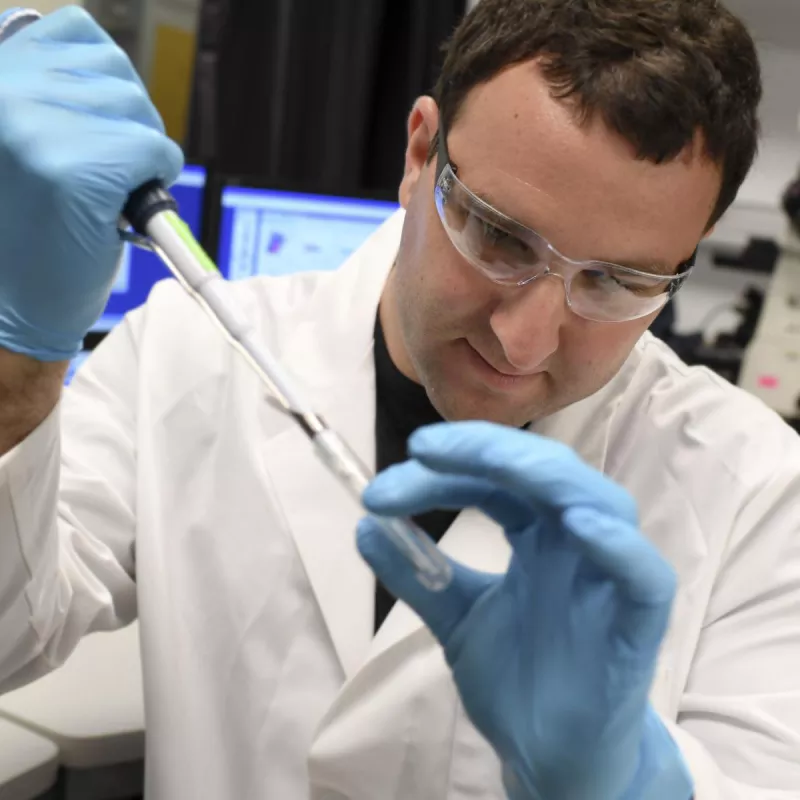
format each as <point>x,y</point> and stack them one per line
<point>515,354</point>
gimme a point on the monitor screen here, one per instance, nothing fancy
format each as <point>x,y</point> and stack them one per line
<point>140,269</point>
<point>266,232</point>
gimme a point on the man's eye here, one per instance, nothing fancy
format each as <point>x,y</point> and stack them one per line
<point>610,282</point>
<point>497,237</point>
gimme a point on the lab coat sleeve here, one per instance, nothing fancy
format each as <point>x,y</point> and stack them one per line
<point>738,724</point>
<point>67,519</point>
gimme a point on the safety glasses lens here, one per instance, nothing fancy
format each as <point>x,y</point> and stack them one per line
<point>507,253</point>
<point>487,242</point>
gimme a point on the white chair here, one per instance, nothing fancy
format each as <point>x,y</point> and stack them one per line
<point>28,763</point>
<point>92,708</point>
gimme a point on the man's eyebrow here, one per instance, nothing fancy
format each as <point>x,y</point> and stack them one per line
<point>655,267</point>
<point>487,198</point>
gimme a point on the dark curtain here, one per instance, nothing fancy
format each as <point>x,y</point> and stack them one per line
<point>314,93</point>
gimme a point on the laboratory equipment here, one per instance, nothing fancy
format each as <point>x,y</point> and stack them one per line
<point>13,19</point>
<point>791,204</point>
<point>771,368</point>
<point>152,214</point>
<point>270,232</point>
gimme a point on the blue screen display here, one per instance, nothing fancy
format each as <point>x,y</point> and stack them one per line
<point>275,233</point>
<point>140,269</point>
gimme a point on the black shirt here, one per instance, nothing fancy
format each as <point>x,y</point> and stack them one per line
<point>402,406</point>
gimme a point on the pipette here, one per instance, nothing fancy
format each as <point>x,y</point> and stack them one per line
<point>152,213</point>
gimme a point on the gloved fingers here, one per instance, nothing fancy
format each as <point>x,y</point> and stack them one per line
<point>540,470</point>
<point>71,37</point>
<point>440,611</point>
<point>408,489</point>
<point>125,155</point>
<point>113,98</point>
<point>108,98</point>
<point>636,567</point>
<point>159,158</point>
<point>69,25</point>
<point>90,61</point>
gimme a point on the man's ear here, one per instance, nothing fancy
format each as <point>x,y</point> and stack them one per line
<point>423,122</point>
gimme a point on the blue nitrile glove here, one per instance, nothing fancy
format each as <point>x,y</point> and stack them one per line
<point>77,135</point>
<point>554,660</point>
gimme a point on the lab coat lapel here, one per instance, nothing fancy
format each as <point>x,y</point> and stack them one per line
<point>586,426</point>
<point>331,360</point>
<point>322,519</point>
<point>474,541</point>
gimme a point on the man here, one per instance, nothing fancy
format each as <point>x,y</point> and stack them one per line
<point>623,616</point>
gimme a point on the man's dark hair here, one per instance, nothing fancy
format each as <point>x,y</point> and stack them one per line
<point>656,71</point>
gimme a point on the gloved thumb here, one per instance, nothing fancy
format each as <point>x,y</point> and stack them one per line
<point>442,611</point>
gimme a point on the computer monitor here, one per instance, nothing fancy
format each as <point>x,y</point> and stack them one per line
<point>140,269</point>
<point>268,232</point>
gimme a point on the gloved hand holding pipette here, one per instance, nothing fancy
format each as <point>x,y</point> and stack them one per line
<point>119,164</point>
<point>79,134</point>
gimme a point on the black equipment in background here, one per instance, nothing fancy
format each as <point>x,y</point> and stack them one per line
<point>314,92</point>
<point>760,255</point>
<point>725,355</point>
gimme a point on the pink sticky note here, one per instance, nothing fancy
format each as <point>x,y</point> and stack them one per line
<point>768,382</point>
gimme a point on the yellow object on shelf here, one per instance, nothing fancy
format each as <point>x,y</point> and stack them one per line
<point>171,77</point>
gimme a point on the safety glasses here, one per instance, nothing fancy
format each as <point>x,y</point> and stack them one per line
<point>509,253</point>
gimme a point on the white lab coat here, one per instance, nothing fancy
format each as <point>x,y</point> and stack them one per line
<point>180,494</point>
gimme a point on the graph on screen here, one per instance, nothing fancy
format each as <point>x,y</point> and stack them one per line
<point>267,232</point>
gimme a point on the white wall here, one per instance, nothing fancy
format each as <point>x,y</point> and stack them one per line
<point>779,159</point>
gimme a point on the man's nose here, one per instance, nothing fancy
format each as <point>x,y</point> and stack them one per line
<point>528,321</point>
